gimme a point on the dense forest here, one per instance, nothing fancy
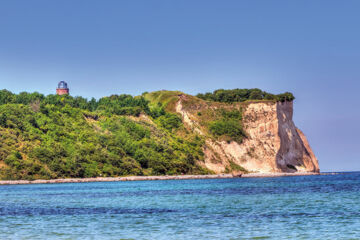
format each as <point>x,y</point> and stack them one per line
<point>63,136</point>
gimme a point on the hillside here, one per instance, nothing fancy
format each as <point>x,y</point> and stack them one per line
<point>244,133</point>
<point>158,133</point>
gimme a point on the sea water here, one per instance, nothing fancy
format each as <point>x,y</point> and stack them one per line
<point>301,207</point>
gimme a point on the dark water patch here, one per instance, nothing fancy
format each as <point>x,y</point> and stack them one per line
<point>38,211</point>
<point>297,215</point>
<point>265,217</point>
<point>296,188</point>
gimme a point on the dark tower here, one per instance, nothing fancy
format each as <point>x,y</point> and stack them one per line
<point>62,88</point>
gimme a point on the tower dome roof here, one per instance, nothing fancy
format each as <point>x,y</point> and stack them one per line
<point>62,85</point>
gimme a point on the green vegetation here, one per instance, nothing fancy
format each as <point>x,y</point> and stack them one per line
<point>63,136</point>
<point>116,104</point>
<point>228,126</point>
<point>170,121</point>
<point>235,167</point>
<point>242,95</point>
<point>165,99</point>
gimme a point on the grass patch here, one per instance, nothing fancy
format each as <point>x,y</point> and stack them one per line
<point>235,167</point>
<point>167,99</point>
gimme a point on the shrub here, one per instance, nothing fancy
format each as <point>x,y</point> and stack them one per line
<point>241,95</point>
<point>170,121</point>
<point>235,167</point>
<point>229,128</point>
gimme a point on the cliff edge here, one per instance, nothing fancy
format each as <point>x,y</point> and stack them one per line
<point>272,142</point>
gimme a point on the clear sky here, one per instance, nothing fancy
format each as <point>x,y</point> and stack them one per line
<point>308,47</point>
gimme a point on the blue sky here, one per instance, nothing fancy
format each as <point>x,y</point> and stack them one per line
<point>311,48</point>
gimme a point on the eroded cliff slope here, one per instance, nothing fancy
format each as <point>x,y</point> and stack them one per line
<point>272,143</point>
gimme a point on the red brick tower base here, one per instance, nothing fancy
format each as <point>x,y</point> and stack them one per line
<point>62,91</point>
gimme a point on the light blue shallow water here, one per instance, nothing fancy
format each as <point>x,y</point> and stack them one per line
<point>308,207</point>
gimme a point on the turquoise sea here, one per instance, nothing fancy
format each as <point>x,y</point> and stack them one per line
<point>303,207</point>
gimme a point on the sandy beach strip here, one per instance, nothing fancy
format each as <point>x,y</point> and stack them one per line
<point>152,178</point>
<point>267,175</point>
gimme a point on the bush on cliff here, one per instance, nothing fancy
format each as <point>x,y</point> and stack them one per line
<point>242,95</point>
<point>228,126</point>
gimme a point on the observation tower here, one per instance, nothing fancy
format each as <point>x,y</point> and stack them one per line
<point>62,88</point>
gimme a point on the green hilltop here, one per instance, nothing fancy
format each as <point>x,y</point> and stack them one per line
<point>47,137</point>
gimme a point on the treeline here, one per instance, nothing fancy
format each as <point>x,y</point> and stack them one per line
<point>242,95</point>
<point>62,136</point>
<point>116,104</point>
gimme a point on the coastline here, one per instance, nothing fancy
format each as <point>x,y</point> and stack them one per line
<point>153,178</point>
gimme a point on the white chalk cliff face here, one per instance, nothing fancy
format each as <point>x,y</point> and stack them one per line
<point>273,143</point>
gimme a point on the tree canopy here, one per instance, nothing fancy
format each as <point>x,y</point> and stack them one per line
<point>242,95</point>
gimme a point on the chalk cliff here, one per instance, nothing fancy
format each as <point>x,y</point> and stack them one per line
<point>272,142</point>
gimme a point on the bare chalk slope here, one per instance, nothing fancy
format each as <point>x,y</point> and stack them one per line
<point>273,143</point>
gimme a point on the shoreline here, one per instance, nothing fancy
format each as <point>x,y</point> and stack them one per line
<point>154,178</point>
